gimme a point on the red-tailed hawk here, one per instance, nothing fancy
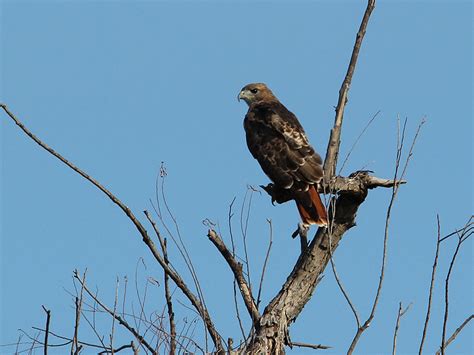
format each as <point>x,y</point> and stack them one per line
<point>278,142</point>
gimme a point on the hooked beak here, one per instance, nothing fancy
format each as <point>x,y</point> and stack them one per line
<point>241,96</point>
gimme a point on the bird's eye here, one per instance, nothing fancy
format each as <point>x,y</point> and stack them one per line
<point>254,91</point>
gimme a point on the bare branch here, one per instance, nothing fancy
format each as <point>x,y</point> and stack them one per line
<point>400,314</point>
<point>243,229</point>
<point>46,333</point>
<point>456,332</point>
<point>75,347</point>
<point>267,255</point>
<point>18,343</point>
<point>236,304</point>
<point>113,317</point>
<point>333,267</point>
<point>236,268</point>
<point>169,305</point>
<point>430,295</point>
<point>357,141</point>
<point>332,151</point>
<point>146,239</point>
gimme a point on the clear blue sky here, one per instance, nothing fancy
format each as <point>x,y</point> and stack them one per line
<point>119,87</point>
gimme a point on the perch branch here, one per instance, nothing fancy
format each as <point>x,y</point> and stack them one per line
<point>310,346</point>
<point>236,268</point>
<point>355,183</point>
<point>146,239</point>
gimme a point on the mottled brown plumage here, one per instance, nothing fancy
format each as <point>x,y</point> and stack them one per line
<point>279,143</point>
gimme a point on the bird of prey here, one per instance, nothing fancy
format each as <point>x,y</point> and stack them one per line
<point>278,142</point>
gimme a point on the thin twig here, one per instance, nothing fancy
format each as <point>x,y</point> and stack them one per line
<point>357,141</point>
<point>32,347</point>
<point>267,255</point>
<point>244,228</point>
<point>216,338</point>
<point>430,294</point>
<point>169,305</point>
<point>101,339</point>
<point>125,283</point>
<point>46,333</point>
<point>75,348</point>
<point>332,212</point>
<point>137,291</point>
<point>334,270</point>
<point>237,311</point>
<point>18,343</point>
<point>400,314</point>
<point>113,317</point>
<point>236,303</point>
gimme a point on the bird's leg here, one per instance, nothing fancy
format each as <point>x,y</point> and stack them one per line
<point>302,231</point>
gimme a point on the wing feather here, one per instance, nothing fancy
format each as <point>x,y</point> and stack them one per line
<point>279,143</point>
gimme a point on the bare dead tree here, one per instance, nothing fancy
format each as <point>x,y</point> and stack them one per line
<point>270,330</point>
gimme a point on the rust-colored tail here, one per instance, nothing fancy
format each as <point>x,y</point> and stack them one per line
<point>311,208</point>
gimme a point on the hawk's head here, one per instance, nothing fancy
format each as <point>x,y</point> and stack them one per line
<point>255,92</point>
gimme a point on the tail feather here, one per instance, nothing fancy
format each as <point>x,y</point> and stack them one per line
<point>315,212</point>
